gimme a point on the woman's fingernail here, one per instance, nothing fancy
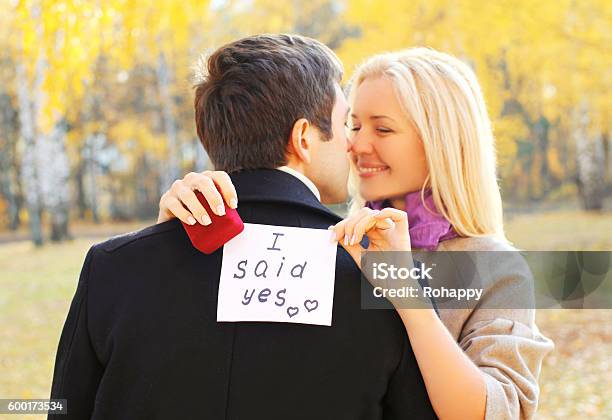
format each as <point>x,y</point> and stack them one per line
<point>332,237</point>
<point>191,220</point>
<point>233,203</point>
<point>353,238</point>
<point>220,210</point>
<point>206,220</point>
<point>346,239</point>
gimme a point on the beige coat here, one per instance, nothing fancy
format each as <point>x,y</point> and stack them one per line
<point>504,343</point>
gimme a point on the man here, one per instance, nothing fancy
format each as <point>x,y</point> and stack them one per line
<point>141,340</point>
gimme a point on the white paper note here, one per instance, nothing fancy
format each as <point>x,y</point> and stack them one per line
<point>278,274</point>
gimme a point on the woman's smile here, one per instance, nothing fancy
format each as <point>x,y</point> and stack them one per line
<point>370,170</point>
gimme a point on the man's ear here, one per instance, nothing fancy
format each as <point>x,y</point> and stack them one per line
<point>301,141</point>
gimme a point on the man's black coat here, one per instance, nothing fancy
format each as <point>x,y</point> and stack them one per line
<point>141,339</point>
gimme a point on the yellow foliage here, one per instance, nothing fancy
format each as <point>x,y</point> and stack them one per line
<point>133,138</point>
<point>554,164</point>
<point>544,55</point>
<point>506,131</point>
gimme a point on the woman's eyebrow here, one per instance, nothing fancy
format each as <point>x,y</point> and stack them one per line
<point>376,117</point>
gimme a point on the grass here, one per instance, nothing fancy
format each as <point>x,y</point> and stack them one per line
<point>575,381</point>
<point>37,285</point>
<point>563,230</point>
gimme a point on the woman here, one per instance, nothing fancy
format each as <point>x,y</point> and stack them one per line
<point>421,143</point>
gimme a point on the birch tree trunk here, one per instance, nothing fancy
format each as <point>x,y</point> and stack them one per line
<point>54,180</point>
<point>29,157</point>
<point>93,146</point>
<point>8,161</point>
<point>590,160</point>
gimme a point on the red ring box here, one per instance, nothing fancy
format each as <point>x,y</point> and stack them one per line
<point>210,238</point>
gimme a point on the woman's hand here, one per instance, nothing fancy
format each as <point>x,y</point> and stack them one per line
<point>387,230</point>
<point>180,200</point>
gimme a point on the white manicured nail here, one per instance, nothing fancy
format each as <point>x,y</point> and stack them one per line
<point>220,210</point>
<point>206,220</point>
<point>191,220</point>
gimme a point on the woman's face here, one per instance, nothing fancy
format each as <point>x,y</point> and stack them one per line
<point>386,150</point>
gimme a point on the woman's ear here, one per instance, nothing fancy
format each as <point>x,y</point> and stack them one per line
<point>300,143</point>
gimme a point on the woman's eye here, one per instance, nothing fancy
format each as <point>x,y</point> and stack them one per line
<point>384,130</point>
<point>355,128</point>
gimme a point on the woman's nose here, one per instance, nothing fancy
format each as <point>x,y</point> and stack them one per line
<point>359,144</point>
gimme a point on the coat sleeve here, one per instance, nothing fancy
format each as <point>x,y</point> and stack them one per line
<point>406,396</point>
<point>502,339</point>
<point>509,353</point>
<point>77,371</point>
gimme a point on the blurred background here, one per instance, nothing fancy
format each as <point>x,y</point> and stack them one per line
<point>96,122</point>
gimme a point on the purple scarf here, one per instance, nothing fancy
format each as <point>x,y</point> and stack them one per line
<point>426,229</point>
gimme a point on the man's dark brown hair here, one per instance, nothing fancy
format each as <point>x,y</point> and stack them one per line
<point>252,92</point>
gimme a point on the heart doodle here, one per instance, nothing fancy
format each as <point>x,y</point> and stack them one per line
<point>311,305</point>
<point>292,311</point>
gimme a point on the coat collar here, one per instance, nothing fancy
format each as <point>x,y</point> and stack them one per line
<point>272,185</point>
<point>311,186</point>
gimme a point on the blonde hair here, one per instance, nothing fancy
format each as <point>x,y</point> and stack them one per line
<point>442,98</point>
